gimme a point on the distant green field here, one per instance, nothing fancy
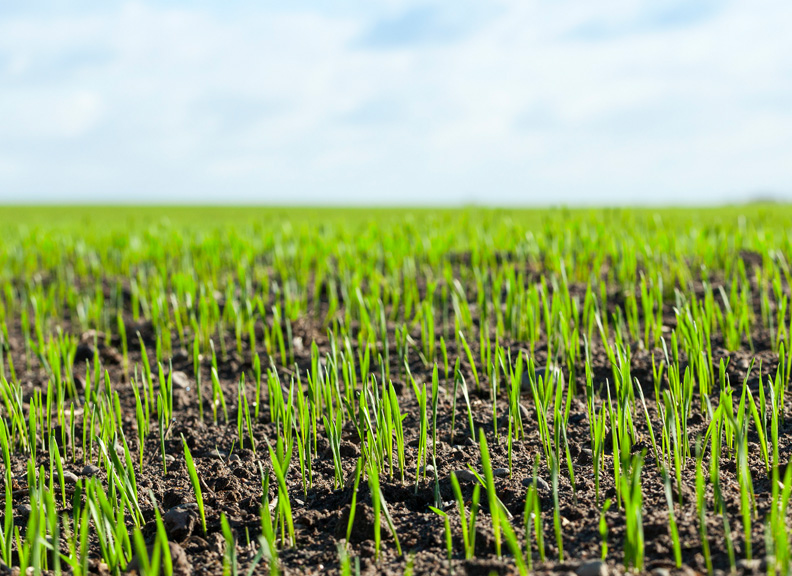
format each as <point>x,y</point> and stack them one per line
<point>115,217</point>
<point>86,221</point>
<point>35,239</point>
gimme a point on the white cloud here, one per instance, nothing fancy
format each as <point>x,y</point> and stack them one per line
<point>529,102</point>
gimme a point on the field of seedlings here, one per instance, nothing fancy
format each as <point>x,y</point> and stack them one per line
<point>219,391</point>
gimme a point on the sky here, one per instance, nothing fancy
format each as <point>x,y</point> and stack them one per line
<point>385,102</point>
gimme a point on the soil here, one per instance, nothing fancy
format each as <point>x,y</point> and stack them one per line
<point>232,484</point>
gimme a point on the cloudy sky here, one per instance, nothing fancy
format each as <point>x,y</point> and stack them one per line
<point>507,102</point>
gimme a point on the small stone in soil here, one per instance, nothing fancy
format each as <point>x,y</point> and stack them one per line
<point>180,380</point>
<point>540,484</point>
<point>749,565</point>
<point>298,344</point>
<point>592,568</point>
<point>90,470</point>
<point>500,472</point>
<point>180,355</point>
<point>465,475</point>
<point>69,477</point>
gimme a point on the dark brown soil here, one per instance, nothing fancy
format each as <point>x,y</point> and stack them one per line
<point>232,485</point>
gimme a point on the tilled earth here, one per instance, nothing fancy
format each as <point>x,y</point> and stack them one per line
<point>231,479</point>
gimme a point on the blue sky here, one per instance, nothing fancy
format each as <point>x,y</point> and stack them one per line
<point>509,102</point>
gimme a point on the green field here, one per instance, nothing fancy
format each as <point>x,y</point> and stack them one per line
<point>395,390</point>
